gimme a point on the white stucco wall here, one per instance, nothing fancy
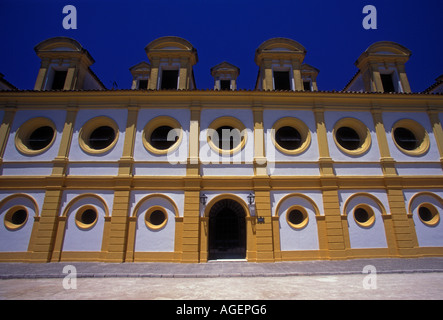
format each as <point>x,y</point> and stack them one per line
<point>297,239</point>
<point>77,239</point>
<point>365,237</point>
<point>161,240</point>
<point>427,236</point>
<point>18,240</point>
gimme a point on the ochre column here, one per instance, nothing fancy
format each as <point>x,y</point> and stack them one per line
<point>5,128</point>
<point>117,242</point>
<point>337,235</point>
<point>191,222</point>
<point>46,232</point>
<point>264,234</point>
<point>400,230</point>
<point>437,129</point>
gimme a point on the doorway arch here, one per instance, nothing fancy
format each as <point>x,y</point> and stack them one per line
<point>227,230</point>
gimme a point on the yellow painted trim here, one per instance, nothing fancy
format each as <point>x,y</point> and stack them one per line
<point>89,127</point>
<point>297,124</point>
<point>303,211</point>
<point>226,196</point>
<point>8,218</point>
<point>371,216</point>
<point>435,214</point>
<point>21,195</point>
<point>135,212</point>
<point>148,218</point>
<point>82,196</point>
<point>367,195</point>
<point>362,131</point>
<point>78,214</point>
<point>227,121</point>
<point>423,193</point>
<point>295,195</point>
<point>419,132</point>
<point>26,129</point>
<point>154,124</point>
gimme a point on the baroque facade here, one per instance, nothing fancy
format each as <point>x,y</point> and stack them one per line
<point>167,172</point>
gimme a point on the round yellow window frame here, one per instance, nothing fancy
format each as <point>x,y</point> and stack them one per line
<point>298,125</point>
<point>78,219</point>
<point>148,218</point>
<point>360,128</point>
<point>231,122</point>
<point>25,131</point>
<point>8,218</point>
<point>303,211</point>
<point>371,216</point>
<point>435,214</point>
<point>419,132</point>
<point>156,123</point>
<point>89,127</point>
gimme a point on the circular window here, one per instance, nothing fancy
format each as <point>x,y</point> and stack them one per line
<point>16,218</point>
<point>35,136</point>
<point>297,217</point>
<point>162,135</point>
<point>101,137</point>
<point>98,135</point>
<point>410,137</point>
<point>290,135</point>
<point>428,214</point>
<point>352,136</point>
<point>86,217</point>
<point>364,216</point>
<point>227,135</point>
<point>156,218</point>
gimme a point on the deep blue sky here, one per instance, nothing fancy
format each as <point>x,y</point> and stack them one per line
<point>115,32</point>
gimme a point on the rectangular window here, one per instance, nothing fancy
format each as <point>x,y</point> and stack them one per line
<point>58,82</point>
<point>282,80</point>
<point>169,79</point>
<point>225,84</point>
<point>307,85</point>
<point>388,84</point>
<point>143,84</point>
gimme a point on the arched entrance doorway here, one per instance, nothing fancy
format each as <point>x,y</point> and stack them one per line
<point>227,230</point>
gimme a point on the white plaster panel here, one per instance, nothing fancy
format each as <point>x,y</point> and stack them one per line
<point>414,169</point>
<point>93,169</point>
<point>293,169</point>
<point>390,118</point>
<point>56,116</point>
<point>227,170</point>
<point>159,169</point>
<point>77,239</point>
<point>369,237</point>
<point>357,169</point>
<point>427,236</point>
<point>296,239</point>
<point>118,115</point>
<point>18,240</point>
<point>180,154</point>
<point>29,169</point>
<point>208,155</point>
<point>162,240</point>
<point>331,118</point>
<point>307,117</point>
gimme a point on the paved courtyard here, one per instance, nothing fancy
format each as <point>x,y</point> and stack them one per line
<point>352,279</point>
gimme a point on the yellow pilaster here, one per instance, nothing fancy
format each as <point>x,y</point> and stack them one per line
<point>61,161</point>
<point>437,129</point>
<point>191,224</point>
<point>45,234</point>
<point>5,128</point>
<point>336,237</point>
